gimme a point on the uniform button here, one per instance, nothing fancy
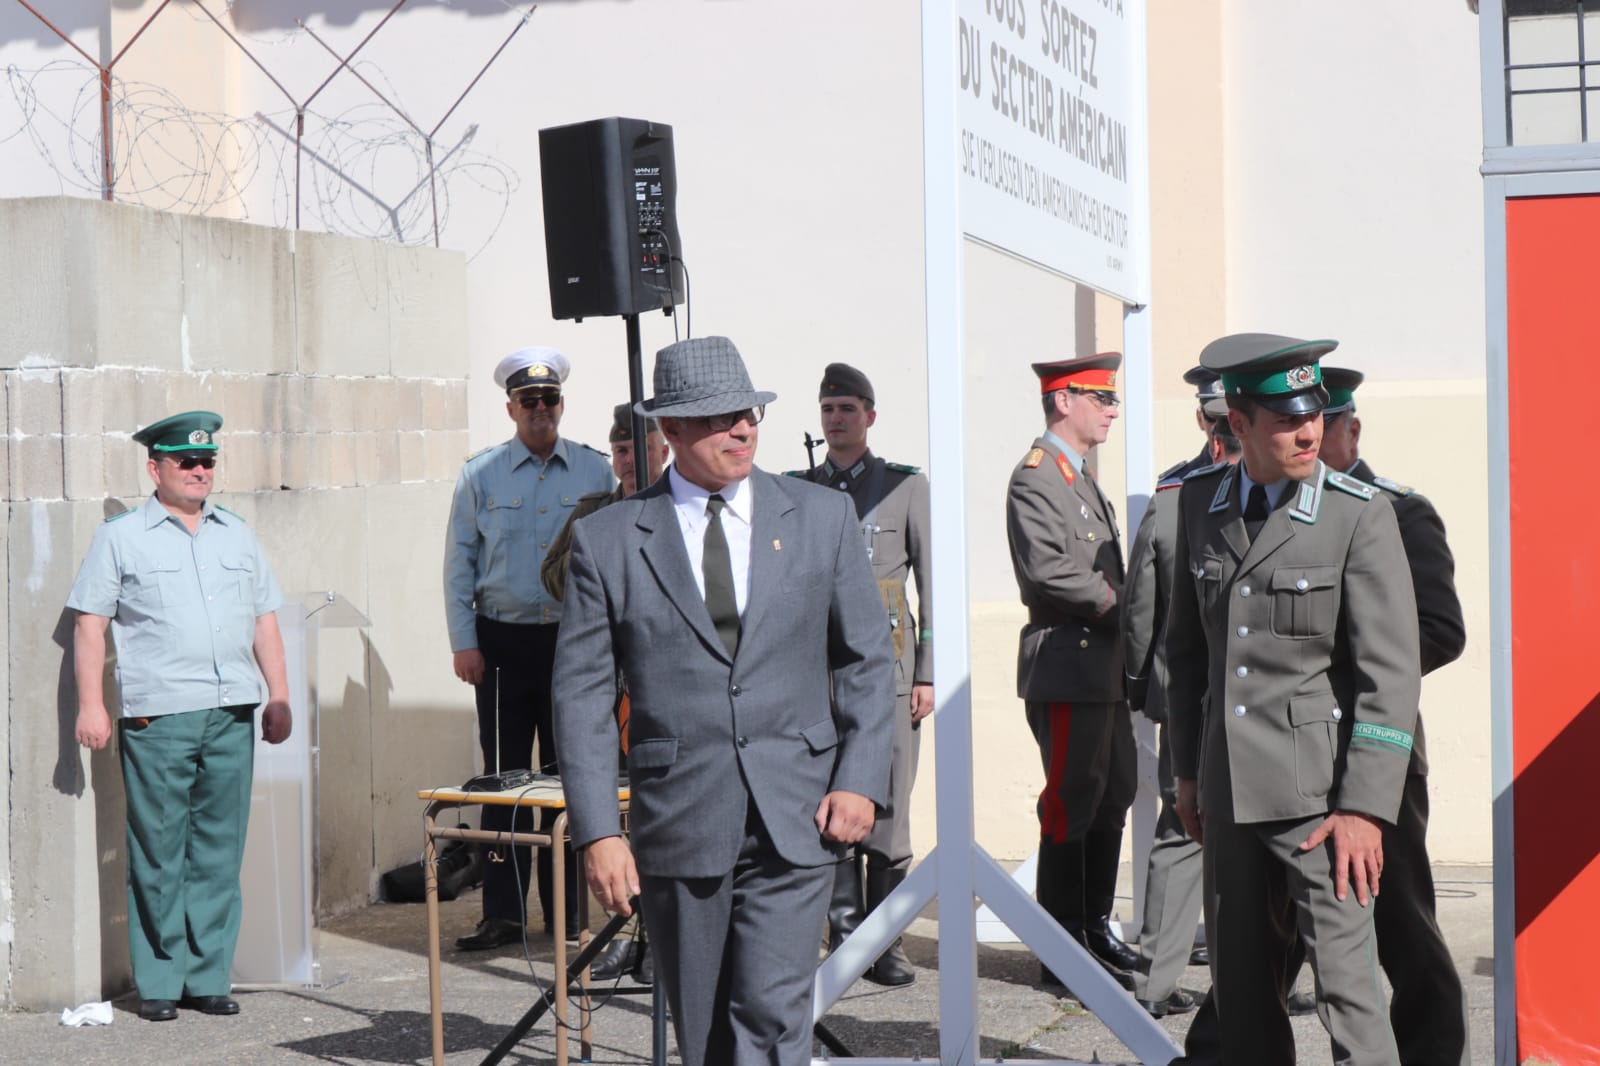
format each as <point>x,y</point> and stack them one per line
<point>1243,631</point>
<point>517,502</point>
<point>1302,584</point>
<point>544,544</point>
<point>1244,591</point>
<point>202,566</point>
<point>737,691</point>
<point>1083,643</point>
<point>1199,572</point>
<point>210,598</point>
<point>541,510</point>
<point>1337,714</point>
<point>1091,536</point>
<point>1241,672</point>
<point>1238,712</point>
<point>744,742</point>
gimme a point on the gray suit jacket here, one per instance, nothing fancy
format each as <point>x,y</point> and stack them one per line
<point>705,731</point>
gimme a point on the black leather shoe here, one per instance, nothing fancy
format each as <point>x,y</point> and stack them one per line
<point>1180,1002</point>
<point>645,972</point>
<point>491,933</point>
<point>209,1004</point>
<point>158,1010</point>
<point>1106,946</point>
<point>1199,957</point>
<point>615,959</point>
<point>1302,1003</point>
<point>892,968</point>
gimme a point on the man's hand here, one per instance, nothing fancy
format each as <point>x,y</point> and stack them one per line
<point>921,702</point>
<point>613,879</point>
<point>1194,822</point>
<point>1357,852</point>
<point>94,727</point>
<point>845,817</point>
<point>469,665</point>
<point>276,722</point>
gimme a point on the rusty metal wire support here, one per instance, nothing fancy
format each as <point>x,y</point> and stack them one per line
<point>108,178</point>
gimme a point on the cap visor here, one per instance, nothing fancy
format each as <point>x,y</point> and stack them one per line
<point>1305,402</point>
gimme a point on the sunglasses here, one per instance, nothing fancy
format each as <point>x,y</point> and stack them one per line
<point>529,400</point>
<point>724,422</point>
<point>189,462</point>
<point>1104,399</point>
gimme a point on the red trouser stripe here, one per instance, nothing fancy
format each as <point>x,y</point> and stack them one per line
<point>1052,809</point>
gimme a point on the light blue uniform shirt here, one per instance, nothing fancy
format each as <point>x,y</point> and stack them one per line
<point>509,505</point>
<point>1067,450</point>
<point>183,607</point>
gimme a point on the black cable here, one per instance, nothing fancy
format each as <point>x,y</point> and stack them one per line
<point>688,294</point>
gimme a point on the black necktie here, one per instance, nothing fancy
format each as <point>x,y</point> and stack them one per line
<point>1255,511</point>
<point>717,566</point>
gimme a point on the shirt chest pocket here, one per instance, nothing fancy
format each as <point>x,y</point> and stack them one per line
<point>164,583</point>
<point>238,578</point>
<point>505,515</point>
<point>1305,601</point>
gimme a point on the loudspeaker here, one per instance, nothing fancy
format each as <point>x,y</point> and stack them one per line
<point>610,217</point>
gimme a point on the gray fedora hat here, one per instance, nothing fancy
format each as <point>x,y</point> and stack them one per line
<point>703,376</point>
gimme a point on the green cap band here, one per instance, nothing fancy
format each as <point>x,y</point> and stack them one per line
<point>183,447</point>
<point>1338,399</point>
<point>1272,382</point>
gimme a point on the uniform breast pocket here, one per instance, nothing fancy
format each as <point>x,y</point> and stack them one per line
<point>1315,722</point>
<point>1305,601</point>
<point>1207,579</point>
<point>504,516</point>
<point>240,573</point>
<point>167,584</point>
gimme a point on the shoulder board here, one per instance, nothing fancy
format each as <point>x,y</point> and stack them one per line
<point>1035,457</point>
<point>902,468</point>
<point>1354,486</point>
<point>1169,483</point>
<point>122,514</point>
<point>1393,486</point>
<point>481,452</point>
<point>1171,471</point>
<point>804,475</point>
<point>1214,468</point>
<point>225,511</point>
<point>597,451</point>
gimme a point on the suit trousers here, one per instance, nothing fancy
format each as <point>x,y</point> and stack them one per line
<point>888,845</point>
<point>513,711</point>
<point>736,954</point>
<point>1172,896</point>
<point>187,778</point>
<point>1260,888</point>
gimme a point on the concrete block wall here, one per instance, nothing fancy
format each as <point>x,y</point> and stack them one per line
<point>339,367</point>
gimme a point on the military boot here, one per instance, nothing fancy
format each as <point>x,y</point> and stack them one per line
<point>846,908</point>
<point>1102,850</point>
<point>892,967</point>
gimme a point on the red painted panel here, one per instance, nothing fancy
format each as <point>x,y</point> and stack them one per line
<point>1553,332</point>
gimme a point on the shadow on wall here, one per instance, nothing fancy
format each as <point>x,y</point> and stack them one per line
<point>1565,847</point>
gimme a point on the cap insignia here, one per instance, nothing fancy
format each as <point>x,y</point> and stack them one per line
<point>1301,377</point>
<point>199,436</point>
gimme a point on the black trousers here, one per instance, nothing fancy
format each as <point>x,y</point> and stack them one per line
<point>516,679</point>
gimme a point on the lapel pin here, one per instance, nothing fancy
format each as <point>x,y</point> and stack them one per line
<point>777,545</point>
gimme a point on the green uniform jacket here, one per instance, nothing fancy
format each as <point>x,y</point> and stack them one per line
<point>1067,556</point>
<point>1303,643</point>
<point>553,570</point>
<point>1441,629</point>
<point>892,502</point>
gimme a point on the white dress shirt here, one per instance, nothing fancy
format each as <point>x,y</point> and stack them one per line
<point>689,501</point>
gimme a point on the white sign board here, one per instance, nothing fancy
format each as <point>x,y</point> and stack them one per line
<point>1052,137</point>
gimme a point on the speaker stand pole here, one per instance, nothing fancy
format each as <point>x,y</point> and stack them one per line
<point>636,393</point>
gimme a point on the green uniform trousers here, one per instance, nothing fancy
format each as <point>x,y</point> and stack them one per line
<point>187,778</point>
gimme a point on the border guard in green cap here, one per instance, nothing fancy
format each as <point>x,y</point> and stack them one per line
<point>1428,1010</point>
<point>189,599</point>
<point>1292,694</point>
<point>892,504</point>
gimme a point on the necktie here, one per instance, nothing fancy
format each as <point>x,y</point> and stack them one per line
<point>1255,510</point>
<point>717,565</point>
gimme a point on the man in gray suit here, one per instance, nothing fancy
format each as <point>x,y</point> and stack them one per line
<point>1292,685</point>
<point>728,597</point>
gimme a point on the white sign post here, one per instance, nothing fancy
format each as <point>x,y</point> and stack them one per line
<point>1040,154</point>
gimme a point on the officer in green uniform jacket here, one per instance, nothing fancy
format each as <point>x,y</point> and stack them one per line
<point>892,504</point>
<point>1292,692</point>
<point>189,599</point>
<point>1066,552</point>
<point>1428,1008</point>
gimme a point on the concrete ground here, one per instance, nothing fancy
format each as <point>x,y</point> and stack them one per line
<point>377,1011</point>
